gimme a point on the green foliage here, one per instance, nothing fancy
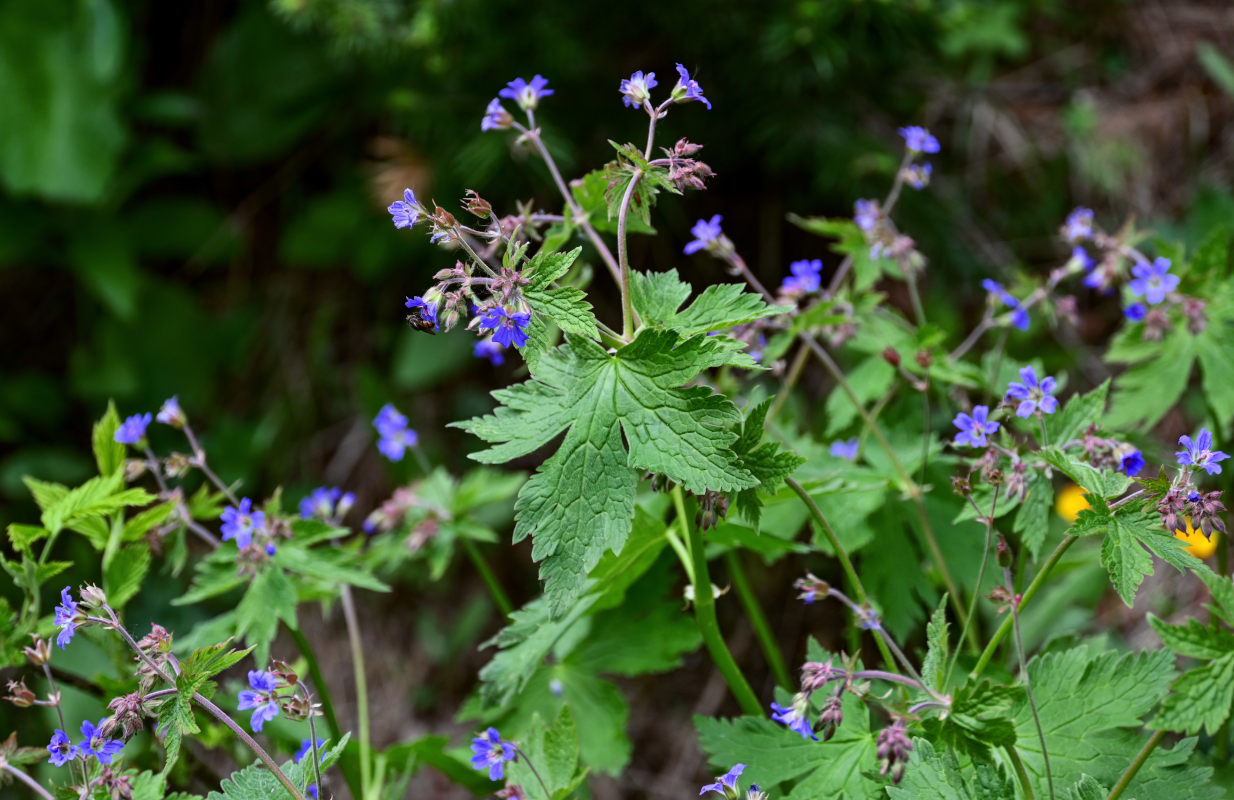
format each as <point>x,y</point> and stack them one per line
<point>934,775</point>
<point>256,781</point>
<point>580,502</point>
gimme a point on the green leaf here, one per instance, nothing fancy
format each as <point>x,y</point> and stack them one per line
<point>1081,411</point>
<point>656,296</point>
<point>95,498</point>
<point>1033,520</point>
<point>45,493</point>
<point>868,380</point>
<point>23,536</point>
<point>327,565</point>
<point>776,755</point>
<point>203,664</point>
<point>937,647</point>
<point>1215,349</point>
<point>1200,699</point>
<point>566,306</point>
<point>1216,65</point>
<point>722,306</point>
<point>1106,484</point>
<point>123,577</point>
<point>1126,561</point>
<point>523,644</point>
<point>1085,789</point>
<point>580,502</point>
<point>108,453</point>
<point>270,597</point>
<point>935,775</point>
<point>1222,588</point>
<point>770,463</point>
<point>255,782</point>
<point>589,194</point>
<point>1193,638</point>
<point>175,718</point>
<point>553,751</point>
<point>1082,701</point>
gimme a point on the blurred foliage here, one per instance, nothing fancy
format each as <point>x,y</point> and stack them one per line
<point>193,195</point>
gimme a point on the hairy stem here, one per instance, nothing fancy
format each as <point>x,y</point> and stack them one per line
<point>1135,765</point>
<point>623,257</point>
<point>486,574</point>
<point>26,779</point>
<point>705,616</point>
<point>985,558</point>
<point>984,660</point>
<point>790,380</point>
<point>1021,774</point>
<point>1028,686</point>
<point>357,666</point>
<point>758,620</point>
<point>845,563</point>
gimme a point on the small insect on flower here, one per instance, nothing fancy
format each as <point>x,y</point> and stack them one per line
<point>61,748</point>
<point>423,316</point>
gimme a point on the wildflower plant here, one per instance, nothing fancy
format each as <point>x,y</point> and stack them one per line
<point>663,442</point>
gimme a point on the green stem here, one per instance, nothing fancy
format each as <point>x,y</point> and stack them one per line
<point>1021,774</point>
<point>758,620</point>
<point>1028,686</point>
<point>319,681</point>
<point>1140,758</point>
<point>985,558</point>
<point>705,615</point>
<point>357,666</point>
<point>845,563</point>
<point>486,574</point>
<point>790,380</point>
<point>910,486</point>
<point>1029,593</point>
<point>623,258</point>
<point>26,779</point>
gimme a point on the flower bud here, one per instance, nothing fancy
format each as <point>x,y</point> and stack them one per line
<point>19,694</point>
<point>891,356</point>
<point>925,359</point>
<point>832,717</point>
<point>477,205</point>
<point>1003,552</point>
<point>134,468</point>
<point>39,651</point>
<point>961,485</point>
<point>93,596</point>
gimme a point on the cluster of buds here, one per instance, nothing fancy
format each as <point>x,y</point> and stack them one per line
<point>884,239</point>
<point>127,712</point>
<point>1103,453</point>
<point>893,748</point>
<point>391,512</point>
<point>683,171</point>
<point>1181,508</point>
<point>712,508</point>
<point>156,646</point>
<point>117,785</point>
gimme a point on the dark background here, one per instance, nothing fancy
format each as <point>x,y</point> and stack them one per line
<point>192,199</point>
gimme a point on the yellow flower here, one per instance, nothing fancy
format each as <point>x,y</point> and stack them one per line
<point>1071,501</point>
<point>1199,545</point>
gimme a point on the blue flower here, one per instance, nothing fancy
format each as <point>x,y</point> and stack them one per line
<point>845,449</point>
<point>727,781</point>
<point>94,744</point>
<point>428,311</point>
<point>866,214</point>
<point>134,429</point>
<point>1153,281</point>
<point>806,277</point>
<point>306,747</point>
<point>262,699</point>
<point>1135,312</point>
<point>241,523</point>
<point>919,140</point>
<point>406,211</point>
<point>1200,453</point>
<point>493,351</point>
<point>973,429</point>
<point>1081,258</point>
<point>527,95</point>
<point>62,750</point>
<point>795,720</point>
<point>509,330</point>
<point>326,502</point>
<point>66,614</point>
<point>705,232</point>
<point>496,118</point>
<point>687,89</point>
<point>918,175</point>
<point>636,89</point>
<point>171,414</point>
<point>1131,463</point>
<point>1033,395</point>
<point>491,752</point>
<point>1019,316</point>
<point>396,437</point>
<point>1079,225</point>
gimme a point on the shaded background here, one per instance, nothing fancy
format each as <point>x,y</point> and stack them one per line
<point>192,198</point>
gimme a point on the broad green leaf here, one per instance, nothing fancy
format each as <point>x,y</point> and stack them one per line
<point>45,493</point>
<point>770,462</point>
<point>1222,588</point>
<point>721,306</point>
<point>1033,520</point>
<point>936,775</point>
<point>1085,789</point>
<point>775,754</point>
<point>937,647</point>
<point>1193,639</point>
<point>580,503</point>
<point>255,782</point>
<point>656,296</point>
<point>1145,392</point>
<point>108,453</point>
<point>204,663</point>
<point>1106,484</point>
<point>270,597</point>
<point>326,564</point>
<point>94,498</point>
<point>124,575</point>
<point>216,574</point>
<point>523,645</point>
<point>23,536</point>
<point>1215,350</point>
<point>175,718</point>
<point>1125,559</point>
<point>1200,699</point>
<point>1082,701</point>
<point>553,751</point>
<point>566,306</point>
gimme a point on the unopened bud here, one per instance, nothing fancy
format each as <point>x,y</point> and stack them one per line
<point>39,650</point>
<point>925,359</point>
<point>19,694</point>
<point>93,596</point>
<point>283,671</point>
<point>134,468</point>
<point>961,485</point>
<point>477,205</point>
<point>1003,552</point>
<point>177,465</point>
<point>891,356</point>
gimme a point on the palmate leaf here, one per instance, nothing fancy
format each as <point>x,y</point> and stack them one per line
<point>1200,699</point>
<point>255,781</point>
<point>622,413</point>
<point>658,297</point>
<point>1123,553</point>
<point>933,775</point>
<point>769,462</point>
